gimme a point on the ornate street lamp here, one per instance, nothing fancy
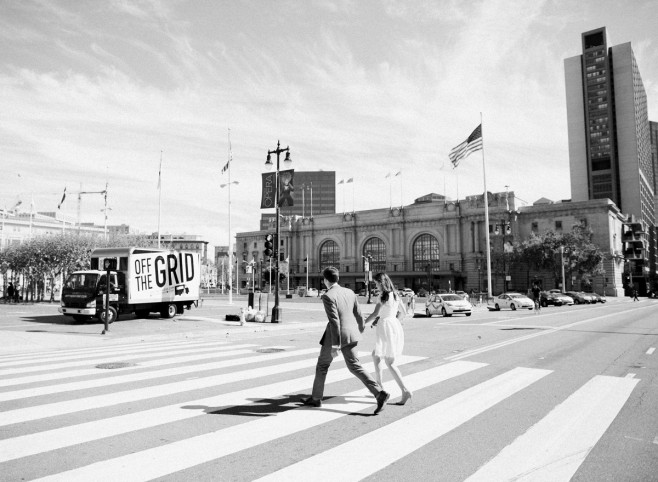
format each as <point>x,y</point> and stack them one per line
<point>276,310</point>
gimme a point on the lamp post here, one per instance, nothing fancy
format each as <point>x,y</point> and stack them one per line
<point>276,310</point>
<point>505,228</point>
<point>562,266</point>
<point>367,264</point>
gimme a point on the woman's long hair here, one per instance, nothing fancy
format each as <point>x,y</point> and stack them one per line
<point>387,286</point>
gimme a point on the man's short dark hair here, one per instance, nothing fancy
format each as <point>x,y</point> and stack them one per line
<point>331,274</point>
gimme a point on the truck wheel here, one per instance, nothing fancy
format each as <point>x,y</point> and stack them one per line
<point>112,315</point>
<point>169,311</point>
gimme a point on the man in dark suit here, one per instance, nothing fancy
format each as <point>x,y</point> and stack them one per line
<point>343,333</point>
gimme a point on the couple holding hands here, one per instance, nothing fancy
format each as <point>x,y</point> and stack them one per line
<point>343,333</point>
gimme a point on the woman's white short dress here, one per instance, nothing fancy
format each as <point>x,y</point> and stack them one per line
<point>388,332</point>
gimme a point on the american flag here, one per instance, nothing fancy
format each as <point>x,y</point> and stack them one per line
<point>463,150</point>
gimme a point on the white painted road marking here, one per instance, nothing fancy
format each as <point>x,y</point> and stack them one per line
<point>166,459</point>
<point>554,448</point>
<point>71,406</point>
<point>365,455</point>
<point>36,443</point>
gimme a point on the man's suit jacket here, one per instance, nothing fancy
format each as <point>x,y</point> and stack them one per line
<point>344,313</point>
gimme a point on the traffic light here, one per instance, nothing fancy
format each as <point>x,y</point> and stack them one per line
<point>269,245</point>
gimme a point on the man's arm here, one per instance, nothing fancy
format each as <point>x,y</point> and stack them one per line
<point>358,315</point>
<point>331,310</point>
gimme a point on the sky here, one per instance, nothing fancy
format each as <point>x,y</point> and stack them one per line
<point>101,92</point>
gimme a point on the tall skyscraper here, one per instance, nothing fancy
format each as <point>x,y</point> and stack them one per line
<point>608,126</point>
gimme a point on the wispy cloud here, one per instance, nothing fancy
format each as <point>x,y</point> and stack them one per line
<point>357,87</point>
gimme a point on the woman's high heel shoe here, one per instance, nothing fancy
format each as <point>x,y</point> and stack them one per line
<point>406,396</point>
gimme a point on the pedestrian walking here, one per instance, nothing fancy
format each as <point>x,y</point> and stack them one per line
<point>10,293</point>
<point>536,296</point>
<point>389,334</point>
<point>17,293</point>
<point>635,298</point>
<point>343,332</point>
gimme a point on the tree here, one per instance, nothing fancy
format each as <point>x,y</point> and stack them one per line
<point>543,252</point>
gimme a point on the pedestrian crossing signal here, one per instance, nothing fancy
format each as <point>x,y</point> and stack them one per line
<point>109,264</point>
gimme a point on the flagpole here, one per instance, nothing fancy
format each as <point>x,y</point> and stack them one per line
<point>352,195</point>
<point>31,213</point>
<point>445,195</point>
<point>230,240</point>
<point>159,196</point>
<point>401,203</point>
<point>390,190</point>
<point>486,215</point>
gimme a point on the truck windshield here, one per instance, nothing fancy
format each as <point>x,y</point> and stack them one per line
<point>81,281</point>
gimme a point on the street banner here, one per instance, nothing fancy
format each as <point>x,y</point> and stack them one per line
<point>267,197</point>
<point>286,187</point>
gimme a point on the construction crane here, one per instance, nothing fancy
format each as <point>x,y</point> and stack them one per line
<point>104,193</point>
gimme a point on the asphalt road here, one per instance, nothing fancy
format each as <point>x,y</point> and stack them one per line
<point>567,394</point>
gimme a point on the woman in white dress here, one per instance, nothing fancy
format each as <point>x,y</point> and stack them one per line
<point>389,333</point>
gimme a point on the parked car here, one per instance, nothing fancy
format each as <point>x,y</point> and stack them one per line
<point>407,292</point>
<point>311,292</point>
<point>447,305</point>
<point>579,297</point>
<point>598,298</point>
<point>547,298</point>
<point>423,292</point>
<point>568,300</point>
<point>512,301</point>
<point>463,294</point>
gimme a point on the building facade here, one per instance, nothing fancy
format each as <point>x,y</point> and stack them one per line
<point>18,227</point>
<point>610,149</point>
<point>439,244</point>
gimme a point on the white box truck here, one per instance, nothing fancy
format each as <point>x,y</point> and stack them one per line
<point>145,280</point>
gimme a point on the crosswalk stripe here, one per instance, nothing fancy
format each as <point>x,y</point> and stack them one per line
<point>121,349</point>
<point>366,455</point>
<point>554,448</point>
<point>166,459</point>
<point>107,380</point>
<point>36,443</point>
<point>59,376</point>
<point>47,365</point>
<point>70,406</point>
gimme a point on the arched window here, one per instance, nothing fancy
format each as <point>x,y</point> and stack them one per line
<point>376,249</point>
<point>329,255</point>
<point>425,253</point>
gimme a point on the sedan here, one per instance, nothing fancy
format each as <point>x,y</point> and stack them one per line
<point>579,297</point>
<point>548,298</point>
<point>598,298</point>
<point>512,301</point>
<point>447,305</point>
<point>566,299</point>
